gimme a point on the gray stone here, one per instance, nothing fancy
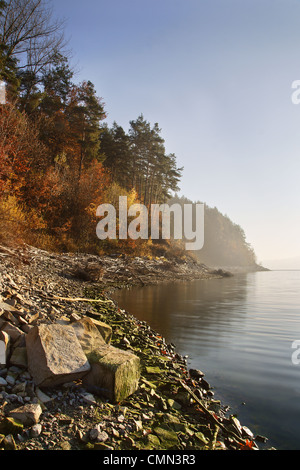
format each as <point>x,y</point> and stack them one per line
<point>28,415</point>
<point>55,355</point>
<point>89,398</point>
<point>36,430</point>
<point>13,331</point>
<point>74,317</point>
<point>10,379</point>
<point>88,335</point>
<point>96,434</point>
<point>104,329</point>
<point>114,373</point>
<point>19,357</point>
<point>27,328</point>
<point>42,396</point>
<point>102,437</point>
<point>2,382</point>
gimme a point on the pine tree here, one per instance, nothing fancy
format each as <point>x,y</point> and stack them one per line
<point>116,154</point>
<point>154,174</point>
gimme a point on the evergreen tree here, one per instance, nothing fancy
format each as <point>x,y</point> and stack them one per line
<point>84,113</point>
<point>116,154</point>
<point>154,174</point>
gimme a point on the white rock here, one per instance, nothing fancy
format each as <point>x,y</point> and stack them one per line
<point>42,396</point>
<point>28,415</point>
<point>102,437</point>
<point>89,398</point>
<point>36,430</point>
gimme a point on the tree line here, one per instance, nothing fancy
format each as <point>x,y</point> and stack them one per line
<point>59,159</point>
<point>225,243</point>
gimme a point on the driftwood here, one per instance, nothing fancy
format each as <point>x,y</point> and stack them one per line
<point>68,299</point>
<point>211,417</point>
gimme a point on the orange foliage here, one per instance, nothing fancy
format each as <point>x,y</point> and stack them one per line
<point>19,149</point>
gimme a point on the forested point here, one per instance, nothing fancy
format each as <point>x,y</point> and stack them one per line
<point>60,160</point>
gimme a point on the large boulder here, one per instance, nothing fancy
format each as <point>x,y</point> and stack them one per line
<point>104,329</point>
<point>89,335</point>
<point>114,373</point>
<point>55,355</point>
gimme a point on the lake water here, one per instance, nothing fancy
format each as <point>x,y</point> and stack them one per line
<point>239,331</point>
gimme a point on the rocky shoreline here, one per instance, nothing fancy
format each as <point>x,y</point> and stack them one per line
<point>171,407</point>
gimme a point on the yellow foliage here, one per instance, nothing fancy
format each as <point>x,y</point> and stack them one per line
<point>19,224</point>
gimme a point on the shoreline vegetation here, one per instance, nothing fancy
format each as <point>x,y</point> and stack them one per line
<point>172,408</point>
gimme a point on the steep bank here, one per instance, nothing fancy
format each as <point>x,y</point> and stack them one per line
<point>173,408</point>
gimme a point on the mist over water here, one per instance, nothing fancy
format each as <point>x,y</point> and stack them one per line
<point>239,331</point>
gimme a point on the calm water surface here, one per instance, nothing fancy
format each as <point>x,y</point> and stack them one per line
<point>239,331</point>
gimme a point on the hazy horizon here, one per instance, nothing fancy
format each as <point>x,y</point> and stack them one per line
<point>283,264</point>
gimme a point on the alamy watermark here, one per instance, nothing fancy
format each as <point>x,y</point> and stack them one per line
<point>2,353</point>
<point>296,100</point>
<point>296,353</point>
<point>186,223</point>
<point>2,92</point>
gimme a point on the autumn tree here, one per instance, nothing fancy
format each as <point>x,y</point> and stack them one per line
<point>21,152</point>
<point>21,168</point>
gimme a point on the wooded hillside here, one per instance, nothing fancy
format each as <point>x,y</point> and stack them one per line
<point>59,159</point>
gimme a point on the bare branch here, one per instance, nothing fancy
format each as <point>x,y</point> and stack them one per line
<point>30,34</point>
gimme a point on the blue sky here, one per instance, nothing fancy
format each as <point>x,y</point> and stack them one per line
<point>216,75</point>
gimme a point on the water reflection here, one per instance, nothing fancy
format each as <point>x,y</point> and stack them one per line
<point>239,331</point>
<point>190,313</point>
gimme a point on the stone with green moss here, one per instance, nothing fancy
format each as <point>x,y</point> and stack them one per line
<point>89,446</point>
<point>10,426</point>
<point>114,373</point>
<point>153,370</point>
<point>152,442</point>
<point>168,438</point>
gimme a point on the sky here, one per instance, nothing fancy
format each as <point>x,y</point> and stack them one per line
<point>216,75</point>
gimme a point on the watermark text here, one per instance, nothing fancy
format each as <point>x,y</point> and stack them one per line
<point>162,222</point>
<point>296,353</point>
